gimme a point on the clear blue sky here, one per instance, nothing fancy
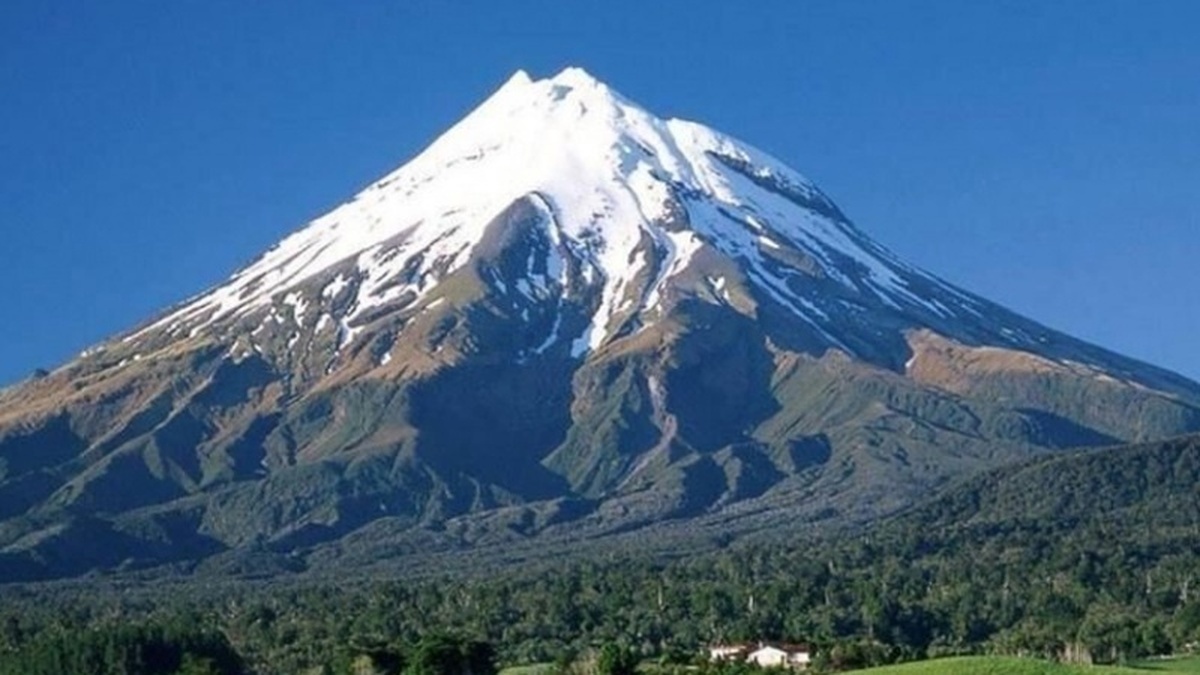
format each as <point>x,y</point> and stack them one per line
<point>1044,154</point>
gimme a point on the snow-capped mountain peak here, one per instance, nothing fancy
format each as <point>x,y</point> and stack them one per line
<point>564,315</point>
<point>610,175</point>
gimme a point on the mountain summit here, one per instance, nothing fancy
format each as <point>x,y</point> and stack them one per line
<point>565,318</point>
<point>624,202</point>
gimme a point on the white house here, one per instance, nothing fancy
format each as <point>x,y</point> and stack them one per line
<point>728,652</point>
<point>781,656</point>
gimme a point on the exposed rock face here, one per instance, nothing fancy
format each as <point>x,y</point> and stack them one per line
<point>567,317</point>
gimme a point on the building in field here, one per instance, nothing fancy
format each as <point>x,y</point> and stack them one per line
<point>765,655</point>
<point>730,652</point>
<point>781,656</point>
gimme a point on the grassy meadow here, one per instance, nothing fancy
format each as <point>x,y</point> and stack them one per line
<point>993,665</point>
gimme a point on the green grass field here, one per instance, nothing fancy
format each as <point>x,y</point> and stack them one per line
<point>990,665</point>
<point>1187,664</point>
<point>984,665</point>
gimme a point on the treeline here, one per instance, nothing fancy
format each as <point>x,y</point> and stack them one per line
<point>1095,560</point>
<point>159,648</point>
<point>175,647</point>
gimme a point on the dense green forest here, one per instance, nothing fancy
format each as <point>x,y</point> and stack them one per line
<point>1096,554</point>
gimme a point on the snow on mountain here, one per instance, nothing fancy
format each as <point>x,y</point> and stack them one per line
<point>607,173</point>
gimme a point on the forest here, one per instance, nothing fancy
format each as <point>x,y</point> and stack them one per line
<point>1085,556</point>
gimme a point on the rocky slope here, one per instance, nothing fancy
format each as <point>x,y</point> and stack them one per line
<point>566,314</point>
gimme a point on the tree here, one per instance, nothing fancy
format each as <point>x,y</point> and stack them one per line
<point>197,665</point>
<point>436,655</point>
<point>616,659</point>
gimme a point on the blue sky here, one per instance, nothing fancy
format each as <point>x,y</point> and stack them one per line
<point>1043,154</point>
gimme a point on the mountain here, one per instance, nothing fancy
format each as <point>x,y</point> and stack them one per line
<point>565,318</point>
<point>1127,493</point>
